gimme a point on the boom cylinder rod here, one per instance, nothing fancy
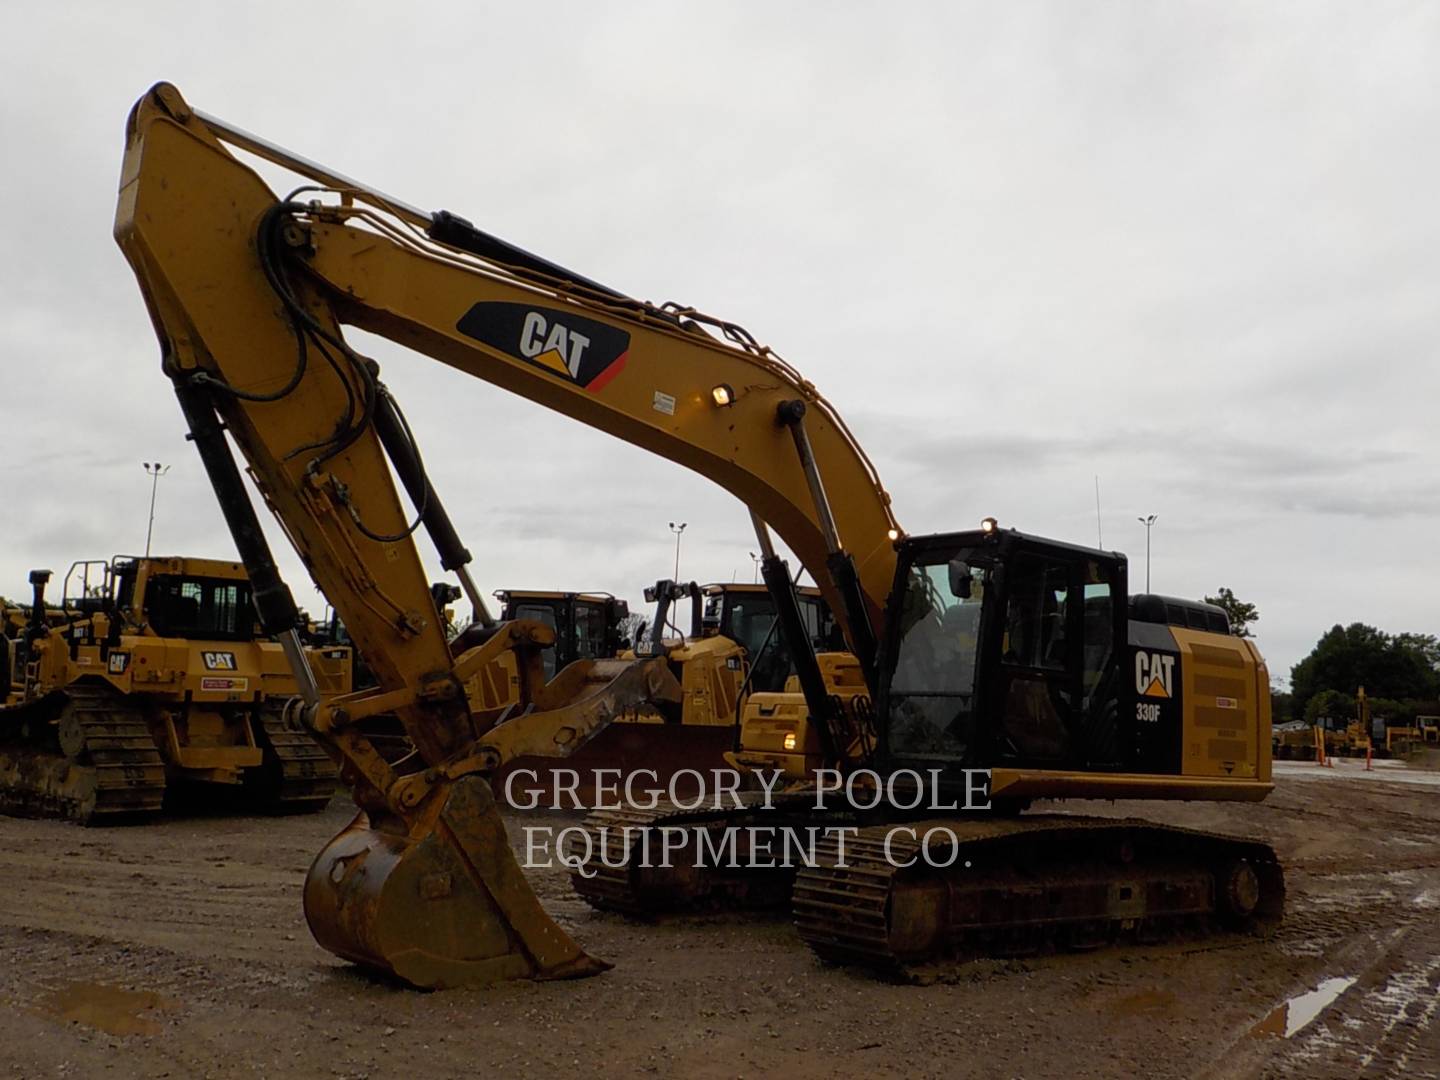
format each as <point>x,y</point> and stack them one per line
<point>762,536</point>
<point>796,638</point>
<point>792,415</point>
<point>478,611</point>
<point>294,650</point>
<point>838,562</point>
<point>273,601</point>
<point>406,459</point>
<point>288,159</point>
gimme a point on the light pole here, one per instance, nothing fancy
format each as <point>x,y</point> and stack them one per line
<point>154,470</point>
<point>677,530</point>
<point>756,560</point>
<point>1147,522</point>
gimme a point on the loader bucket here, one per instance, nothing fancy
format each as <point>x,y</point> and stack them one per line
<point>445,905</point>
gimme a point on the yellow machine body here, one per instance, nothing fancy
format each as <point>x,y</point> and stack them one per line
<point>107,705</point>
<point>249,295</point>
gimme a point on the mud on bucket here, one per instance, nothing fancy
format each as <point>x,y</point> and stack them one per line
<point>442,905</point>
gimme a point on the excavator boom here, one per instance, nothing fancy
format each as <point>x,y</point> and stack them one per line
<point>248,293</point>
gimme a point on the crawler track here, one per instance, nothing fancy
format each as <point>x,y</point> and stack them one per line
<point>84,754</point>
<point>297,776</point>
<point>623,848</point>
<point>989,887</point>
<point>1016,887</point>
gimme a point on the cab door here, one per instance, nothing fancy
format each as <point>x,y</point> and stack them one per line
<point>1055,689</point>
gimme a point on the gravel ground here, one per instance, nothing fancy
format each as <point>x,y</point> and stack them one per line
<point>180,949</point>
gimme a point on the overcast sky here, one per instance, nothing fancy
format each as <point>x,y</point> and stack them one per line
<point>1193,249</point>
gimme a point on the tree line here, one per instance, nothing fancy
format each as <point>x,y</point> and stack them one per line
<point>1400,672</point>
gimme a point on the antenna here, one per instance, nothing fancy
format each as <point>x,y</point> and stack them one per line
<point>1099,533</point>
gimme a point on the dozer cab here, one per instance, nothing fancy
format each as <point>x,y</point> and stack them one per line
<point>746,614</point>
<point>588,626</point>
<point>149,675</point>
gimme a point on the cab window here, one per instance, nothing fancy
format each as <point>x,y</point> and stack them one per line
<point>589,631</point>
<point>1035,617</point>
<point>545,614</point>
<point>200,608</point>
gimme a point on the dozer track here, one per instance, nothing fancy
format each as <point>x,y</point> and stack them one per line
<point>623,850</point>
<point>1027,885</point>
<point>297,776</point>
<point>84,753</point>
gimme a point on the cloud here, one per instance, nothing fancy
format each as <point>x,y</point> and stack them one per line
<point>1187,248</point>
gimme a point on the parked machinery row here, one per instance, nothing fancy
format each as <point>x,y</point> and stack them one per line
<point>147,676</point>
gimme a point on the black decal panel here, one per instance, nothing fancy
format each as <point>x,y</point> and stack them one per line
<point>1154,660</point>
<point>560,342</point>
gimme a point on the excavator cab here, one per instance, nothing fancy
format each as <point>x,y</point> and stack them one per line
<point>1017,654</point>
<point>1003,649</point>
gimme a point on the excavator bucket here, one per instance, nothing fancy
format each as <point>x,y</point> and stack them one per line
<point>440,901</point>
<point>444,905</point>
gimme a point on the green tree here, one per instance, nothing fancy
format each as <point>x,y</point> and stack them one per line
<point>1427,645</point>
<point>1349,657</point>
<point>1282,705</point>
<point>1241,614</point>
<point>1332,704</point>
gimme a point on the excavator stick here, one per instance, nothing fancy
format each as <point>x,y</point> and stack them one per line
<point>443,904</point>
<point>422,885</point>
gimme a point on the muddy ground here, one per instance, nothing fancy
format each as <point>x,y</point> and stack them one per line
<point>180,949</point>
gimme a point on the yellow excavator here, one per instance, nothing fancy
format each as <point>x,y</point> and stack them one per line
<point>985,652</point>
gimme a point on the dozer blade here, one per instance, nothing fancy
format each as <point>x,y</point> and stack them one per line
<point>445,905</point>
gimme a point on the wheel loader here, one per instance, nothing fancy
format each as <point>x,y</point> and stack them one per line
<point>981,657</point>
<point>151,675</point>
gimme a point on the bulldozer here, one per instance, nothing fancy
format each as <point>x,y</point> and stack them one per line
<point>588,626</point>
<point>693,731</point>
<point>981,659</point>
<point>729,651</point>
<point>1293,740</point>
<point>150,675</point>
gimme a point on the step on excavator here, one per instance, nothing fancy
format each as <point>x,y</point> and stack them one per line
<point>983,652</point>
<point>151,674</point>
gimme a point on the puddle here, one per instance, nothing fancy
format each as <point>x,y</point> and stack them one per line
<point>1293,1016</point>
<point>109,1008</point>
